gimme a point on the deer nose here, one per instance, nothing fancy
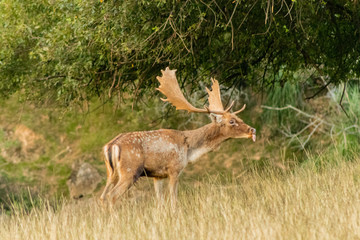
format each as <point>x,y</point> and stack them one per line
<point>252,130</point>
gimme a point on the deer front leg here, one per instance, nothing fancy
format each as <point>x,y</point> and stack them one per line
<point>173,184</point>
<point>159,187</point>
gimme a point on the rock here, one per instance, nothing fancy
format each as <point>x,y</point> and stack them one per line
<point>83,180</point>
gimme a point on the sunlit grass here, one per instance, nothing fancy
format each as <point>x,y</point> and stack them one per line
<point>306,203</point>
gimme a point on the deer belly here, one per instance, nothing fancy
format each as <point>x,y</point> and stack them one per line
<point>160,164</point>
<point>158,173</point>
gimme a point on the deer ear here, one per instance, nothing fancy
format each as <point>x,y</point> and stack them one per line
<point>216,117</point>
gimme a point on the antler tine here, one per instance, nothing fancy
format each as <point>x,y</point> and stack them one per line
<point>215,103</point>
<point>231,105</point>
<point>242,109</point>
<point>169,86</point>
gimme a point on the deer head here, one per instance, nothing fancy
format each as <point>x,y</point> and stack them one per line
<point>229,124</point>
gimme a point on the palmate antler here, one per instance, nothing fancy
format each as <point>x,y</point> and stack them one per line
<point>215,103</point>
<point>169,86</point>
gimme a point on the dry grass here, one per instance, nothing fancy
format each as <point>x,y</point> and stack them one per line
<point>302,204</point>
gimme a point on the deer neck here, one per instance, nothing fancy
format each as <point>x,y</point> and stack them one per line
<point>203,140</point>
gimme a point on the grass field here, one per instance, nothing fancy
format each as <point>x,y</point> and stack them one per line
<point>271,189</point>
<point>306,203</point>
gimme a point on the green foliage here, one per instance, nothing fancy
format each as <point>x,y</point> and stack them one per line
<point>289,94</point>
<point>346,131</point>
<point>70,51</point>
<point>321,122</point>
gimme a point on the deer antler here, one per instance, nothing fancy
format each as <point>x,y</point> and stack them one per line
<point>229,108</point>
<point>169,86</point>
<point>215,103</point>
<point>242,109</point>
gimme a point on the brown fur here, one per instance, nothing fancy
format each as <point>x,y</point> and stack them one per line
<point>163,154</point>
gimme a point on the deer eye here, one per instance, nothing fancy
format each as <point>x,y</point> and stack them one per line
<point>232,122</point>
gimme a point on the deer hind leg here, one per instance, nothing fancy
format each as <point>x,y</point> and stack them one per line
<point>159,187</point>
<point>112,154</point>
<point>127,178</point>
<point>110,183</point>
<point>121,187</point>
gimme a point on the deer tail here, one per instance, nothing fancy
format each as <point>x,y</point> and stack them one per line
<point>112,154</point>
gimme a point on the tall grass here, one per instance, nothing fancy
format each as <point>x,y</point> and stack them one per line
<point>301,204</point>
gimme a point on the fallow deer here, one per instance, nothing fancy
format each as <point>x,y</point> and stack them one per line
<point>164,153</point>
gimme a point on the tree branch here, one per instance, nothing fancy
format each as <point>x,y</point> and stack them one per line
<point>340,103</point>
<point>322,89</point>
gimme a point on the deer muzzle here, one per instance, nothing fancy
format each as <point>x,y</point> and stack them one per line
<point>253,134</point>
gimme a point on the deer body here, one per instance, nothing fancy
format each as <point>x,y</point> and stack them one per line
<point>164,153</point>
